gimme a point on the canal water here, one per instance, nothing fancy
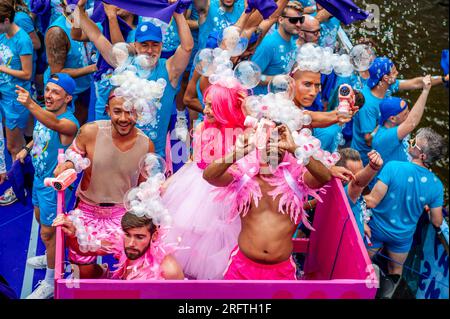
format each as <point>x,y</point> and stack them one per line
<point>413,33</point>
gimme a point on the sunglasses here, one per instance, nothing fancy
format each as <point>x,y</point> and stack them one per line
<point>295,20</point>
<point>413,144</point>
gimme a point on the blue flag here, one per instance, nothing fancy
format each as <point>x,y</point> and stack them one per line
<point>444,63</point>
<point>345,11</point>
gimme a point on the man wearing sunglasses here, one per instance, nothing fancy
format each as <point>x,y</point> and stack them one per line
<point>310,31</point>
<point>398,200</point>
<point>276,53</point>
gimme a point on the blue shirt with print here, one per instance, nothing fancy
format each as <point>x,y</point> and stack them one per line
<point>46,143</point>
<point>158,132</point>
<point>359,209</point>
<point>10,52</point>
<point>328,32</point>
<point>274,56</point>
<point>218,19</point>
<point>410,188</point>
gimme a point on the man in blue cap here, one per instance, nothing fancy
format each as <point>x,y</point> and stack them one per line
<point>397,123</point>
<point>382,83</point>
<point>55,129</point>
<point>148,41</point>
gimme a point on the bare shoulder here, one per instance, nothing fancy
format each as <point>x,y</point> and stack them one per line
<point>88,131</point>
<point>56,35</point>
<point>171,269</point>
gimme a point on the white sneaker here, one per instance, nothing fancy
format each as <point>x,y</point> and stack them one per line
<point>37,262</point>
<point>181,128</point>
<point>44,291</point>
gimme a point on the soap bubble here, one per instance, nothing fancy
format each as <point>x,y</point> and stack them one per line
<point>362,57</point>
<point>151,165</point>
<point>121,54</point>
<point>232,42</point>
<point>282,84</point>
<point>343,66</point>
<point>204,62</point>
<point>248,74</point>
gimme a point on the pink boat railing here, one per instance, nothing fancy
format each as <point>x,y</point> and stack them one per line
<point>337,267</point>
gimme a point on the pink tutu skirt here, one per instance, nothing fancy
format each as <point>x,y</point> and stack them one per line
<point>200,223</point>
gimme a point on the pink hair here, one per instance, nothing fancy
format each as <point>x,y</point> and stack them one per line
<point>226,104</point>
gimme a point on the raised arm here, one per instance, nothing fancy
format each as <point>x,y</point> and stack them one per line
<point>325,119</point>
<point>417,83</point>
<point>365,176</point>
<point>49,119</point>
<point>178,63</point>
<point>416,113</point>
<point>114,29</point>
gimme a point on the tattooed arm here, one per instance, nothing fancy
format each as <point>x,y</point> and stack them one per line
<point>57,47</point>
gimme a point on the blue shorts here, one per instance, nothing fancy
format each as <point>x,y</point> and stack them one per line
<point>380,239</point>
<point>15,114</point>
<point>45,198</point>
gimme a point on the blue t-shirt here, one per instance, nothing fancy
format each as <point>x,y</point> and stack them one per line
<point>364,122</point>
<point>410,188</point>
<point>44,154</point>
<point>328,32</point>
<point>217,20</point>
<point>359,209</point>
<point>386,143</point>
<point>158,132</point>
<point>10,52</point>
<point>274,56</point>
<point>329,137</point>
<point>76,57</point>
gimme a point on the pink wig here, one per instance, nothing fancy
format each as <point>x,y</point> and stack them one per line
<point>226,104</point>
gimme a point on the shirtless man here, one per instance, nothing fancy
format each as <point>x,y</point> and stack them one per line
<point>265,242</point>
<point>114,148</point>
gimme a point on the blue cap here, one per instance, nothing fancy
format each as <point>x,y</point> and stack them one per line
<point>381,66</point>
<point>65,81</point>
<point>391,106</point>
<point>147,31</point>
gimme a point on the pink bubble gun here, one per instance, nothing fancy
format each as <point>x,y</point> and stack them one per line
<point>346,99</point>
<point>63,180</point>
<point>262,130</point>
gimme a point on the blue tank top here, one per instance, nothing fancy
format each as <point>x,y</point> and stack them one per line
<point>158,132</point>
<point>76,57</point>
<point>44,154</point>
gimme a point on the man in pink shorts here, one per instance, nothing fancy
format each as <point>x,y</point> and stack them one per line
<point>114,148</point>
<point>270,204</point>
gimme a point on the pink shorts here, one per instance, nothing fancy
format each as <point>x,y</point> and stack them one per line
<point>240,267</point>
<point>105,220</point>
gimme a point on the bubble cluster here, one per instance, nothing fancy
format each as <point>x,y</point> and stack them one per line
<point>311,57</point>
<point>277,108</point>
<point>86,235</point>
<point>121,54</point>
<point>309,146</point>
<point>141,95</point>
<point>145,200</point>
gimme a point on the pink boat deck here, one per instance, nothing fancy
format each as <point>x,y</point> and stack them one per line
<point>337,267</point>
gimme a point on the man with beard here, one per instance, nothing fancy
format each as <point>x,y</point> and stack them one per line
<point>148,41</point>
<point>114,148</point>
<point>138,249</point>
<point>55,128</point>
<point>276,53</point>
